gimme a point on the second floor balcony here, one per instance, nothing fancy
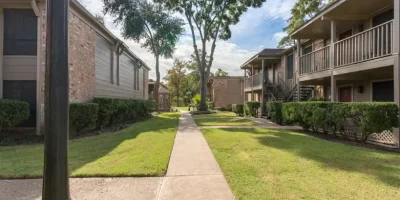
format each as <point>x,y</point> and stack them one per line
<point>365,46</point>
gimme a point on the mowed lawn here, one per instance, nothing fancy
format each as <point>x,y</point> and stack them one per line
<point>182,108</point>
<point>222,119</point>
<point>140,150</point>
<point>277,164</point>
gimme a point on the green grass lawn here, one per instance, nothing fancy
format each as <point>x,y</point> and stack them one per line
<point>223,121</point>
<point>277,164</point>
<point>140,150</point>
<point>182,108</point>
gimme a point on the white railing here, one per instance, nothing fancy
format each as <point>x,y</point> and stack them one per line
<point>315,61</point>
<point>370,44</point>
<point>253,81</point>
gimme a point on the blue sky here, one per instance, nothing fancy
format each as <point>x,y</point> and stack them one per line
<point>258,29</point>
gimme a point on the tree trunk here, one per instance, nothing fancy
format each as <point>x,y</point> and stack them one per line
<point>157,85</point>
<point>203,92</point>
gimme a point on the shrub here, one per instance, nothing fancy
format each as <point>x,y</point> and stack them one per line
<point>317,99</point>
<point>12,113</point>
<point>114,111</point>
<point>290,113</point>
<point>82,116</point>
<point>196,101</point>
<point>210,105</point>
<point>274,110</point>
<point>251,108</point>
<point>238,109</point>
<point>374,117</point>
<point>220,108</point>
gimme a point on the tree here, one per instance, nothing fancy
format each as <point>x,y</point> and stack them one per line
<point>99,17</point>
<point>209,20</point>
<point>151,25</point>
<point>176,79</point>
<point>221,72</point>
<point>303,10</point>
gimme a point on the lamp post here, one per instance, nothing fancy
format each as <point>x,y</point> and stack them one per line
<point>55,173</point>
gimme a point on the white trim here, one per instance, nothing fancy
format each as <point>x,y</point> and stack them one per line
<point>343,86</point>
<point>371,84</point>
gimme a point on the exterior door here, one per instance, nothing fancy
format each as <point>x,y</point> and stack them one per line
<point>23,91</point>
<point>345,94</point>
<point>383,91</point>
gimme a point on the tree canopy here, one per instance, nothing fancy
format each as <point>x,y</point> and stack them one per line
<point>221,72</point>
<point>176,79</point>
<point>149,24</point>
<point>302,11</point>
<point>209,20</point>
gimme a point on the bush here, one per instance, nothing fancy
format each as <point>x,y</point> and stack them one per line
<point>274,110</point>
<point>374,117</point>
<point>210,105</point>
<point>82,116</point>
<point>238,109</point>
<point>114,111</point>
<point>317,99</point>
<point>368,117</point>
<point>196,101</point>
<point>12,113</point>
<point>251,108</point>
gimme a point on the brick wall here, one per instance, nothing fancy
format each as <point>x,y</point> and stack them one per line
<point>227,91</point>
<point>82,46</point>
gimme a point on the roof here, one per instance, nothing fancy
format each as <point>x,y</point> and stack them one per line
<point>93,20</point>
<point>163,88</point>
<point>265,53</point>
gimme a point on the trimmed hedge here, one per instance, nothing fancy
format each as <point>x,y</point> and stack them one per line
<point>82,116</point>
<point>238,109</point>
<point>251,108</point>
<point>12,113</point>
<point>274,110</point>
<point>369,117</point>
<point>114,111</point>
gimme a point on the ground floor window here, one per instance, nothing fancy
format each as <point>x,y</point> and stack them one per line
<point>383,91</point>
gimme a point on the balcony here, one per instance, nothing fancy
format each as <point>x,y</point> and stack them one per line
<point>368,45</point>
<point>253,82</point>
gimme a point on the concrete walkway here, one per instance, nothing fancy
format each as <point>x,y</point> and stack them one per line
<point>193,173</point>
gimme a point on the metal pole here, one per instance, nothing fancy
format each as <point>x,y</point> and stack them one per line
<point>55,175</point>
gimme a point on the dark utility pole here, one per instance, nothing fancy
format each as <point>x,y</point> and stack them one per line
<point>55,175</point>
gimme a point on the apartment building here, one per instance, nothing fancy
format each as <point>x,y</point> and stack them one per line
<point>349,52</point>
<point>100,65</point>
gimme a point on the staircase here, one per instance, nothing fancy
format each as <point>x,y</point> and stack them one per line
<point>286,91</point>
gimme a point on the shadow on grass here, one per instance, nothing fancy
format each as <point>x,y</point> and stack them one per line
<point>27,161</point>
<point>383,166</point>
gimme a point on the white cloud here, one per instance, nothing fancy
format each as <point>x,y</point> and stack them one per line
<point>279,35</point>
<point>228,56</point>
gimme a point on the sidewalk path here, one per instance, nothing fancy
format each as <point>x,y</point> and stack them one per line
<point>193,173</point>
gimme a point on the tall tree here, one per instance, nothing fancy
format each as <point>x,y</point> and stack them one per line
<point>303,10</point>
<point>176,79</point>
<point>151,25</point>
<point>209,20</point>
<point>221,72</point>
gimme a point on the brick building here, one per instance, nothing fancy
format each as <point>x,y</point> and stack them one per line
<point>225,91</point>
<point>100,64</point>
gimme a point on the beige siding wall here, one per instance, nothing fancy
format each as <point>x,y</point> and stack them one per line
<point>19,67</point>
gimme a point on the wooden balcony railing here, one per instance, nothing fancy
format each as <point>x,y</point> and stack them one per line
<point>370,44</point>
<point>253,81</point>
<point>315,61</point>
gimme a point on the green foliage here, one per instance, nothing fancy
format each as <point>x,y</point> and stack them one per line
<point>221,72</point>
<point>317,99</point>
<point>176,81</point>
<point>301,11</point>
<point>196,100</point>
<point>274,110</point>
<point>12,113</point>
<point>374,117</point>
<point>209,20</point>
<point>369,117</point>
<point>238,109</point>
<point>82,116</point>
<point>114,111</point>
<point>251,108</point>
<point>210,105</point>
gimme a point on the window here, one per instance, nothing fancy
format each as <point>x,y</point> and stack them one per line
<point>307,50</point>
<point>20,32</point>
<point>290,63</point>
